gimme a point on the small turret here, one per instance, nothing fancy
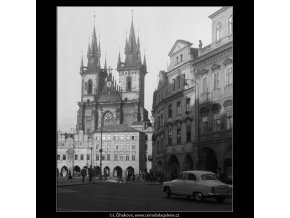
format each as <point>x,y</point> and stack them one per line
<point>144,63</point>
<point>119,62</point>
<point>82,65</point>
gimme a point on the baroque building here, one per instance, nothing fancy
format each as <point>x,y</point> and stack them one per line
<point>192,105</point>
<point>113,108</point>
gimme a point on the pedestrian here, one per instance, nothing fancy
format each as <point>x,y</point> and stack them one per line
<point>94,174</point>
<point>69,176</point>
<point>119,174</point>
<point>83,174</point>
<point>90,172</point>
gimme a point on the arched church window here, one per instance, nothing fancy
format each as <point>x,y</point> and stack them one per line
<point>231,25</point>
<point>129,83</point>
<point>90,87</point>
<point>108,118</point>
<point>218,31</point>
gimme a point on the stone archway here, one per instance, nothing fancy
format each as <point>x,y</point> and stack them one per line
<point>64,171</point>
<point>207,160</point>
<point>187,163</point>
<point>77,169</point>
<point>116,170</point>
<point>173,167</point>
<point>129,169</point>
<point>106,170</point>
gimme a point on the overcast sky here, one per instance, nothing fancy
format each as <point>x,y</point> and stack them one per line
<point>158,28</point>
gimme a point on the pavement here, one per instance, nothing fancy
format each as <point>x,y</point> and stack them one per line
<point>112,196</point>
<point>63,181</point>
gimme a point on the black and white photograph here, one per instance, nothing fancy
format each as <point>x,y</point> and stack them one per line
<point>145,109</point>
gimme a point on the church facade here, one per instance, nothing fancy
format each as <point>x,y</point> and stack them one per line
<point>113,108</point>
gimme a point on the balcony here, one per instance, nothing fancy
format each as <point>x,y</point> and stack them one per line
<point>215,45</point>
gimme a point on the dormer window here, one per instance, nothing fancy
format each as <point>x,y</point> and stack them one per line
<point>177,60</point>
<point>181,58</point>
<point>218,31</point>
<point>231,25</point>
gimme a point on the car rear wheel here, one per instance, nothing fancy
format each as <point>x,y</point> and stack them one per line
<point>220,199</point>
<point>168,192</point>
<point>198,196</point>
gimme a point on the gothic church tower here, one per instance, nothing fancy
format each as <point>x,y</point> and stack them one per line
<point>92,83</point>
<point>132,80</point>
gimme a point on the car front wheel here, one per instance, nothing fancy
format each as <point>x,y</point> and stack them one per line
<point>198,196</point>
<point>220,199</point>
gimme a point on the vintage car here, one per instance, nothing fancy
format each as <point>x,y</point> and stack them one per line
<point>199,185</point>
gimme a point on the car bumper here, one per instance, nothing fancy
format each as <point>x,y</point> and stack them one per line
<point>213,195</point>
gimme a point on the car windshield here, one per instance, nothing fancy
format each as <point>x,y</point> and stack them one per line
<point>208,177</point>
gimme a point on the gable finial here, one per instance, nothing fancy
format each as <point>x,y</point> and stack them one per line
<point>132,14</point>
<point>94,18</point>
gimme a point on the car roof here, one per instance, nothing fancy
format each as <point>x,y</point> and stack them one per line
<point>198,172</point>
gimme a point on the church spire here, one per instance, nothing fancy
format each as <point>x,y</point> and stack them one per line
<point>131,48</point>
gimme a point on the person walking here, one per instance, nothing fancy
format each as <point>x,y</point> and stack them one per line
<point>94,174</point>
<point>119,174</point>
<point>83,174</point>
<point>69,176</point>
<point>90,172</point>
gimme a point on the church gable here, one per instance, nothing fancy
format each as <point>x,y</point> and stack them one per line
<point>179,44</point>
<point>109,93</point>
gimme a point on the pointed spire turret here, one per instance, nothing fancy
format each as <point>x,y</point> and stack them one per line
<point>82,64</point>
<point>105,67</point>
<point>144,63</point>
<point>89,50</point>
<point>119,62</point>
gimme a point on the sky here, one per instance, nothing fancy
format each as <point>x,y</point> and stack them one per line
<point>158,29</point>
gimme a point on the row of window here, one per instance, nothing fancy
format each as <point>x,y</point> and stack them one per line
<point>160,118</point>
<point>219,28</point>
<point>117,147</point>
<point>217,125</point>
<point>204,129</point>
<point>116,137</point>
<point>216,80</point>
<point>121,157</point>
<point>128,73</point>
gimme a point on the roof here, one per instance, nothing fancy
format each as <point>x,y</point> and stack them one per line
<point>179,40</point>
<point>117,128</point>
<point>217,12</point>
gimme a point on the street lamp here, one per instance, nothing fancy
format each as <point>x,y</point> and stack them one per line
<point>91,155</point>
<point>101,150</point>
<point>197,116</point>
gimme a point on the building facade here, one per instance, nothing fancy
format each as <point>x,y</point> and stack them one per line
<point>115,108</point>
<point>174,113</point>
<point>214,74</point>
<point>193,110</point>
<point>121,145</point>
